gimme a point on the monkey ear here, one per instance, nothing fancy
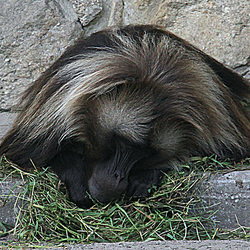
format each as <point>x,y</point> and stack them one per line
<point>71,169</point>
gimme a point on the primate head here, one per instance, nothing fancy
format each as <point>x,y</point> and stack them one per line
<point>123,105</point>
<point>117,169</point>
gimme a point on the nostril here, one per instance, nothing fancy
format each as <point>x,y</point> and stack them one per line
<point>117,176</point>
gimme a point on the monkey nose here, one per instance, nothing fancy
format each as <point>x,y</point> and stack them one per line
<point>105,194</point>
<point>107,189</point>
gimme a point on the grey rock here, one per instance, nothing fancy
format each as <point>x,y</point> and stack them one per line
<point>116,13</point>
<point>220,28</point>
<point>244,70</point>
<point>33,34</point>
<point>111,14</point>
<point>6,119</point>
<point>227,194</point>
<point>87,10</point>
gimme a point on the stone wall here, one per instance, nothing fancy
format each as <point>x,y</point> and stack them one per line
<point>34,33</point>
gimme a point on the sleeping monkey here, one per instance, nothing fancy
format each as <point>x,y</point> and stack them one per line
<point>123,105</point>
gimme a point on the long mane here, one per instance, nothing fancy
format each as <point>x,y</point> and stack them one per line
<point>168,84</point>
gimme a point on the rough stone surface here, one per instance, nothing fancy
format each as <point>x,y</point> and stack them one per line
<point>229,195</point>
<point>9,207</point>
<point>220,28</point>
<point>111,14</point>
<point>168,245</point>
<point>87,10</point>
<point>6,119</point>
<point>201,245</point>
<point>33,34</point>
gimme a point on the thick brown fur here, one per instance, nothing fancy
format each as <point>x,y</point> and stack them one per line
<point>121,105</point>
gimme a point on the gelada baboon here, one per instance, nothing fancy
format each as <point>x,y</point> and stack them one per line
<point>124,104</point>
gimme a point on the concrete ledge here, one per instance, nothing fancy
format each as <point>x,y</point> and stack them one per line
<point>149,245</point>
<point>9,189</point>
<point>229,195</point>
<point>201,245</point>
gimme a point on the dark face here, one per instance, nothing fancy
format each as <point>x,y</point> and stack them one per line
<point>109,178</point>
